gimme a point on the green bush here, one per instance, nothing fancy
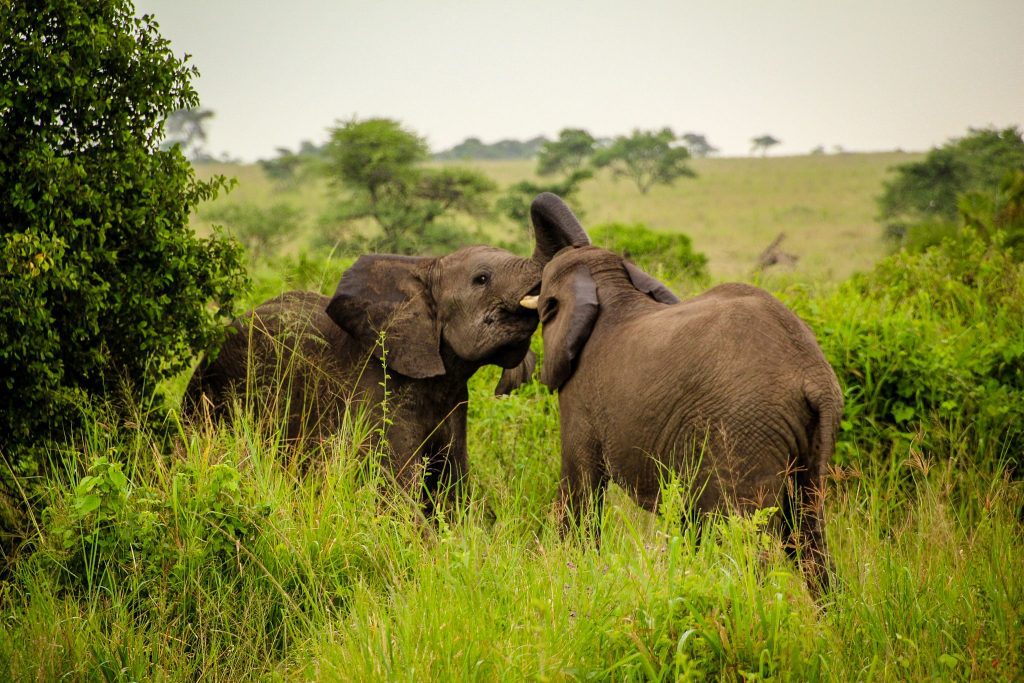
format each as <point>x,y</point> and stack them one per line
<point>105,286</point>
<point>928,345</point>
<point>665,255</point>
<point>105,280</point>
<point>925,196</point>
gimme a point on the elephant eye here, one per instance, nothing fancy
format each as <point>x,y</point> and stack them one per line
<point>481,279</point>
<point>548,310</point>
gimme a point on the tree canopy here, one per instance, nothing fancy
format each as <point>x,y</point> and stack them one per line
<point>698,145</point>
<point>763,143</point>
<point>647,158</point>
<point>929,188</point>
<point>106,289</point>
<point>380,164</point>
<point>568,154</point>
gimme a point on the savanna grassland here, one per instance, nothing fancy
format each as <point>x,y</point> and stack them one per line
<point>212,554</point>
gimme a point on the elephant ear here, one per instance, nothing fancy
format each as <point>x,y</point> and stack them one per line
<point>517,376</point>
<point>384,298</point>
<point>555,227</point>
<point>648,285</point>
<point>567,332</point>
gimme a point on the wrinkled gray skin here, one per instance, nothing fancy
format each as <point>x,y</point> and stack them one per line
<point>311,358</point>
<point>729,390</point>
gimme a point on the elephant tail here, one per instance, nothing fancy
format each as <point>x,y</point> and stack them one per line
<point>826,403</point>
<point>803,506</point>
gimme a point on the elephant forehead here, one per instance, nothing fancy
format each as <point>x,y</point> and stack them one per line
<point>497,260</point>
<point>568,259</point>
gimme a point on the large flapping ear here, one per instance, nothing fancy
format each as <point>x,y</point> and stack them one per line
<point>384,298</point>
<point>648,285</point>
<point>555,227</point>
<point>517,376</point>
<point>567,332</point>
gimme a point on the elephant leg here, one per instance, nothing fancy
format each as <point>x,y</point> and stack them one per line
<point>444,477</point>
<point>581,489</point>
<point>804,530</point>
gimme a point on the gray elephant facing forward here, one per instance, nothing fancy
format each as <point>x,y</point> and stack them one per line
<point>308,359</point>
<point>729,389</point>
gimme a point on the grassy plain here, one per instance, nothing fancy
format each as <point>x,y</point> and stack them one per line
<point>732,210</point>
<point>218,558</point>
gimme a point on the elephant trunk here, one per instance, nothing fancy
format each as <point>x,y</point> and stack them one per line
<point>555,227</point>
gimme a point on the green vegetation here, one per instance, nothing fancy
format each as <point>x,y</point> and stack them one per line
<point>568,154</point>
<point>645,157</point>
<point>763,143</point>
<point>379,163</point>
<point>925,199</point>
<point>667,256</point>
<point>179,552</point>
<point>105,286</point>
<point>226,562</point>
<point>930,350</point>
<point>474,148</point>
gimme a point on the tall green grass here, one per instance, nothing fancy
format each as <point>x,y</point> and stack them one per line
<point>223,560</point>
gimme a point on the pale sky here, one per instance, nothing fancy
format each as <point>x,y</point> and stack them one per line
<point>863,74</point>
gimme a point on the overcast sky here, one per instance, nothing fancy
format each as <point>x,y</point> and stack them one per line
<point>862,74</point>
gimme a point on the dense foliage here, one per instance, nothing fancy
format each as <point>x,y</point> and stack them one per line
<point>105,287</point>
<point>922,203</point>
<point>928,345</point>
<point>667,256</point>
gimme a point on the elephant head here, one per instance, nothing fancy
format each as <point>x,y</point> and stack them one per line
<point>428,317</point>
<point>569,302</point>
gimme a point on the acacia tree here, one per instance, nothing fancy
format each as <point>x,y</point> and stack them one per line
<point>187,128</point>
<point>568,154</point>
<point>698,145</point>
<point>763,143</point>
<point>105,286</point>
<point>380,163</point>
<point>647,158</point>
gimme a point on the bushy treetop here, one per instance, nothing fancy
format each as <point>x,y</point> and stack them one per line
<point>104,285</point>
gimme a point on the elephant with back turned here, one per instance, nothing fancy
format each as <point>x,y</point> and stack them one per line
<point>400,337</point>
<point>729,390</point>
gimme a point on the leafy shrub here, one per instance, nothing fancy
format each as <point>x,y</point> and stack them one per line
<point>665,255</point>
<point>110,530</point>
<point>926,345</point>
<point>105,286</point>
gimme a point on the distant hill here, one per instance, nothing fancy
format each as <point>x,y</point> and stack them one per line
<point>474,148</point>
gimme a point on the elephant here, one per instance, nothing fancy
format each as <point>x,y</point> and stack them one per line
<point>401,336</point>
<point>728,390</point>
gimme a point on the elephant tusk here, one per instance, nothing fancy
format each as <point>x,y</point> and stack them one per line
<point>529,302</point>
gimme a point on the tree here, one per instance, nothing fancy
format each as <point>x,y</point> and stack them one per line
<point>380,163</point>
<point>647,158</point>
<point>763,143</point>
<point>517,199</point>
<point>187,128</point>
<point>567,154</point>
<point>105,287</point>
<point>928,190</point>
<point>698,145</point>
